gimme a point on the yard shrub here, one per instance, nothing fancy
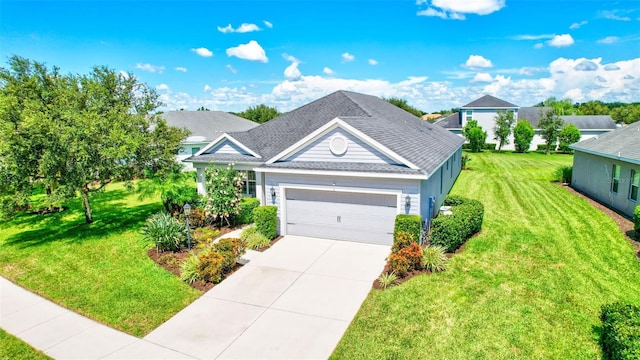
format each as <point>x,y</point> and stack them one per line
<point>166,232</point>
<point>387,279</point>
<point>257,241</point>
<point>245,213</point>
<point>411,224</point>
<point>211,266</point>
<point>266,220</point>
<point>204,235</point>
<point>224,191</point>
<point>490,146</point>
<point>247,232</point>
<point>401,241</point>
<point>636,221</point>
<point>569,134</point>
<point>451,231</point>
<point>198,219</point>
<point>189,269</point>
<point>231,249</point>
<point>620,337</point>
<point>399,264</point>
<point>434,258</point>
<point>563,174</point>
<point>522,135</point>
<point>543,147</point>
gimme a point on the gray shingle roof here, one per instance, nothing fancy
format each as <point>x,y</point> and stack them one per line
<point>582,122</point>
<point>623,144</point>
<point>342,166</point>
<point>224,158</point>
<point>208,124</point>
<point>489,101</point>
<point>451,121</point>
<point>418,141</point>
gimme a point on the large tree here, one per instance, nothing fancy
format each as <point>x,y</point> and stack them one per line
<point>260,113</point>
<point>77,133</point>
<point>402,104</point>
<point>502,130</point>
<point>550,124</point>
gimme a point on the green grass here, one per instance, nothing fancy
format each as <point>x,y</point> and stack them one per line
<point>12,348</point>
<point>530,285</point>
<point>99,270</point>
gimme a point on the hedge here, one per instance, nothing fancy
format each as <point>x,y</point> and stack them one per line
<point>266,220</point>
<point>451,231</point>
<point>543,147</point>
<point>411,224</point>
<point>636,221</point>
<point>245,215</point>
<point>620,338</point>
<point>486,146</point>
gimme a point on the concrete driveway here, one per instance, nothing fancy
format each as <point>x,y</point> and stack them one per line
<point>294,300</point>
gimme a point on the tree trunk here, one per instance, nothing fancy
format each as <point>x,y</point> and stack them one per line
<point>86,206</point>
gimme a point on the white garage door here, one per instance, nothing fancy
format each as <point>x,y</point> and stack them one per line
<point>367,218</point>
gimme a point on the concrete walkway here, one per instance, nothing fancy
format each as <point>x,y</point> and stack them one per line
<point>294,300</point>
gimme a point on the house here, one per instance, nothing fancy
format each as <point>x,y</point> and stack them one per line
<point>204,127</point>
<point>342,167</point>
<point>485,109</point>
<point>607,168</point>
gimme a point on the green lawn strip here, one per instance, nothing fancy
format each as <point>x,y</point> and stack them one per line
<point>12,348</point>
<point>99,270</point>
<point>530,285</point>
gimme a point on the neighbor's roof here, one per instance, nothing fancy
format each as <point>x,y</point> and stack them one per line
<point>451,121</point>
<point>622,144</point>
<point>489,101</point>
<point>420,142</point>
<point>207,124</point>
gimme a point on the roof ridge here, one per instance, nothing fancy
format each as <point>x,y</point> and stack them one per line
<point>347,94</point>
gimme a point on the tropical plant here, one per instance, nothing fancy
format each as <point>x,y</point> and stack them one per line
<point>248,231</point>
<point>434,258</point>
<point>166,232</point>
<point>465,159</point>
<point>387,279</point>
<point>189,269</point>
<point>224,193</point>
<point>523,135</point>
<point>257,241</point>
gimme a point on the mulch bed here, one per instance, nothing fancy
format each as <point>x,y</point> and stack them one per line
<point>625,224</point>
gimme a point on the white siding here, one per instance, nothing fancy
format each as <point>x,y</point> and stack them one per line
<point>227,147</point>
<point>357,151</point>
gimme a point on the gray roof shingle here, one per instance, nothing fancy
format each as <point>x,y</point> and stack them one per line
<point>622,143</point>
<point>208,124</point>
<point>451,121</point>
<point>582,122</point>
<point>342,166</point>
<point>422,143</point>
<point>489,101</point>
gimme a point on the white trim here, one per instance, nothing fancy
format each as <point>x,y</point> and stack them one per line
<point>339,123</point>
<point>342,173</point>
<point>283,197</point>
<point>230,138</point>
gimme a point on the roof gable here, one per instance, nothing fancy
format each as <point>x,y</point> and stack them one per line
<point>623,144</point>
<point>489,101</point>
<point>227,145</point>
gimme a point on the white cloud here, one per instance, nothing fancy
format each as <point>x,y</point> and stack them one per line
<point>538,46</point>
<point>609,40</point>
<point>231,69</point>
<point>482,77</point>
<point>477,62</point>
<point>328,71</point>
<point>290,58</point>
<point>207,88</point>
<point>533,37</point>
<point>577,25</point>
<point>346,57</point>
<point>456,9</point>
<point>180,68</point>
<point>530,71</point>
<point>250,51</point>
<point>267,24</point>
<point>613,15</point>
<point>163,87</point>
<point>243,28</point>
<point>150,68</point>
<point>373,62</point>
<point>561,40</point>
<point>292,72</point>
<point>202,51</point>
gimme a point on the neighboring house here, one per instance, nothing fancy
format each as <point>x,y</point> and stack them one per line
<point>607,168</point>
<point>204,126</point>
<point>342,167</point>
<point>486,108</point>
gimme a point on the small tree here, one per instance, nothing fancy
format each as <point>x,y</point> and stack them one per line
<point>569,134</point>
<point>523,135</point>
<point>224,192</point>
<point>473,132</point>
<point>502,130</point>
<point>550,125</point>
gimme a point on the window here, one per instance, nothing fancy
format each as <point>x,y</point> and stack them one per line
<point>249,184</point>
<point>635,184</point>
<point>469,115</point>
<point>615,178</point>
<point>194,150</point>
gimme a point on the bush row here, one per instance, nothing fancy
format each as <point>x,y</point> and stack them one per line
<point>620,337</point>
<point>411,224</point>
<point>451,231</point>
<point>486,146</point>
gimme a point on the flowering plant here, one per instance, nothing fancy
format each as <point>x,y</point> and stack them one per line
<point>224,192</point>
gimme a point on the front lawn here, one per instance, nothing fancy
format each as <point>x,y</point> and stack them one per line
<point>12,348</point>
<point>99,270</point>
<point>530,285</point>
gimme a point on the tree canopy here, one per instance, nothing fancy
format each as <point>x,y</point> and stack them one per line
<point>402,104</point>
<point>476,136</point>
<point>260,113</point>
<point>502,130</point>
<point>523,135</point>
<point>550,124</point>
<point>76,133</point>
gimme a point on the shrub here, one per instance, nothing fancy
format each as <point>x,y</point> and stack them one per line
<point>413,254</point>
<point>224,191</point>
<point>569,134</point>
<point>257,241</point>
<point>189,269</point>
<point>165,231</point>
<point>636,221</point>
<point>411,224</point>
<point>522,135</point>
<point>231,249</point>
<point>401,240</point>
<point>620,337</point>
<point>211,266</point>
<point>563,174</point>
<point>477,138</point>
<point>489,146</point>
<point>543,147</point>
<point>204,235</point>
<point>245,213</point>
<point>434,258</point>
<point>387,279</point>
<point>451,231</point>
<point>266,220</point>
<point>198,219</point>
<point>169,259</point>
<point>399,264</point>
<point>247,232</point>
<point>465,160</point>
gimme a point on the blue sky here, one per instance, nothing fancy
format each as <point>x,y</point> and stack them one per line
<point>436,54</point>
